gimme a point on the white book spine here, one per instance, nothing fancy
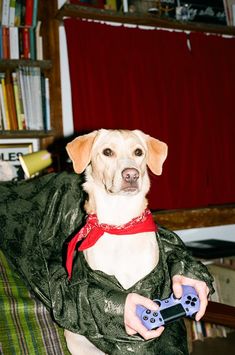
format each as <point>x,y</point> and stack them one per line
<point>12,12</point>
<point>14,42</point>
<point>5,12</point>
<point>48,113</point>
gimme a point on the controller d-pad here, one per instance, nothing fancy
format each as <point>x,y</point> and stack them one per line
<point>194,299</point>
<point>189,298</point>
<point>193,304</point>
<point>187,302</point>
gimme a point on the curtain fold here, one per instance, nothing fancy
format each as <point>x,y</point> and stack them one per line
<point>176,87</point>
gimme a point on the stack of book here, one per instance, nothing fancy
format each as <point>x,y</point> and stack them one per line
<point>19,30</point>
<point>24,100</point>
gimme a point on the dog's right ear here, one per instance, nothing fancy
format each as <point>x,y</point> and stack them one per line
<point>79,151</point>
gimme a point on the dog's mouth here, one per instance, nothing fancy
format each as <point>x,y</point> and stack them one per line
<point>124,189</point>
<point>132,187</point>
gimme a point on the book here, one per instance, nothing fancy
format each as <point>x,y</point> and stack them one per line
<point>5,12</point>
<point>3,109</point>
<point>47,102</point>
<point>29,6</point>
<point>35,13</point>
<point>32,43</point>
<point>5,43</point>
<point>12,12</point>
<point>18,13</point>
<point>18,101</point>
<point>4,102</point>
<point>26,42</point>
<point>14,42</point>
<point>39,44</point>
<point>228,6</point>
<point>211,248</point>
<point>22,12</point>
<point>11,103</point>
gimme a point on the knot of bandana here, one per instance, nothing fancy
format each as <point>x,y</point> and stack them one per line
<point>92,231</point>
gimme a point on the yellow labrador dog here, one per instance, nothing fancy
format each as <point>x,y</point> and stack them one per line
<point>115,164</point>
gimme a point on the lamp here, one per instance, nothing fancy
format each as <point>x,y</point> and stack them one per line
<point>35,162</point>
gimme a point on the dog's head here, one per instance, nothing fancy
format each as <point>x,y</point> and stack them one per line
<point>117,159</point>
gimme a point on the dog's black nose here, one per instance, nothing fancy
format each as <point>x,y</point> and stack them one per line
<point>130,175</point>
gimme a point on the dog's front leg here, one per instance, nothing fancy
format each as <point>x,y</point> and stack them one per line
<point>79,345</point>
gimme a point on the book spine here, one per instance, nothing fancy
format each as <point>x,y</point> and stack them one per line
<point>4,94</point>
<point>48,110</point>
<point>5,12</point>
<point>11,104</point>
<point>20,100</point>
<point>1,53</point>
<point>26,43</point>
<point>22,12</point>
<point>39,44</point>
<point>24,96</point>
<point>35,13</point>
<point>3,109</point>
<point>18,13</point>
<point>17,101</point>
<point>29,6</point>
<point>32,43</point>
<point>12,12</point>
<point>5,43</point>
<point>14,42</point>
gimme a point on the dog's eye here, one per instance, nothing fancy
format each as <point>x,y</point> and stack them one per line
<point>108,152</point>
<point>138,152</point>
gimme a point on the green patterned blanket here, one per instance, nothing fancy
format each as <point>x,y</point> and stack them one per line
<point>26,326</point>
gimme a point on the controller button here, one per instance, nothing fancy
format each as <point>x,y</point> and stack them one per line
<point>194,299</point>
<point>189,298</point>
<point>145,318</point>
<point>152,320</point>
<point>158,303</point>
<point>148,311</point>
<point>155,314</point>
<point>166,301</point>
<point>160,319</point>
<point>187,310</point>
<point>187,302</point>
<point>192,304</point>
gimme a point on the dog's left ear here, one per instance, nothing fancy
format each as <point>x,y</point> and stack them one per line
<point>79,151</point>
<point>157,153</point>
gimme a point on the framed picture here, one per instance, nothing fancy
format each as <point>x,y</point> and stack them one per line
<point>10,150</point>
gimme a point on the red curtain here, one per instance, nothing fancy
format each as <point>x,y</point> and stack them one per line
<point>176,87</point>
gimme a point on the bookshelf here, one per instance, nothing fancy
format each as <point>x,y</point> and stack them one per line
<point>50,67</point>
<point>218,314</point>
<point>75,10</point>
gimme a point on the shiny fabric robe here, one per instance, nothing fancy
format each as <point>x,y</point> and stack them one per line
<point>36,218</point>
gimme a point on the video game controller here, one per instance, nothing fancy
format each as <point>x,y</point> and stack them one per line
<point>170,309</point>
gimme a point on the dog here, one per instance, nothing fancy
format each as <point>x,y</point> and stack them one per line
<point>116,166</point>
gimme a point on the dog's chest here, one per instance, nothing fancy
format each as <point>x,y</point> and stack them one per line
<point>127,257</point>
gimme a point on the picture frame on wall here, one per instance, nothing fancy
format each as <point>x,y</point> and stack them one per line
<point>10,150</point>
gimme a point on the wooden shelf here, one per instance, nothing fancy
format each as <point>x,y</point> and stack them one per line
<point>196,217</point>
<point>77,11</point>
<point>9,64</point>
<point>219,313</point>
<point>25,134</point>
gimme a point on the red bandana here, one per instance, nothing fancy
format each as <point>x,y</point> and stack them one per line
<point>92,231</point>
